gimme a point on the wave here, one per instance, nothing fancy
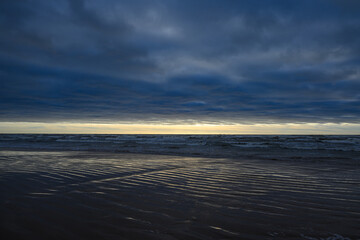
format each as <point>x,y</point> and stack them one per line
<point>267,146</point>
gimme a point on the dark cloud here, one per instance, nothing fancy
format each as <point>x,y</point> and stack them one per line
<point>235,61</point>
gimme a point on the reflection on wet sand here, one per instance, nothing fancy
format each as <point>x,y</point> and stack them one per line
<point>89,195</point>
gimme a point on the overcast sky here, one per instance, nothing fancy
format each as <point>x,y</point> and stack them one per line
<point>187,61</point>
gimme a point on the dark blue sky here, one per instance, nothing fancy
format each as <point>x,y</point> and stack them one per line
<point>213,61</point>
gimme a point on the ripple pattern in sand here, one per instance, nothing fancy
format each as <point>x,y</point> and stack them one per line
<point>67,195</point>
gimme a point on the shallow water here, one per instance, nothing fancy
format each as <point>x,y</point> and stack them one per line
<point>97,195</point>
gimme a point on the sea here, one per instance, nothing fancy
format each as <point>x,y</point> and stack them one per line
<point>108,186</point>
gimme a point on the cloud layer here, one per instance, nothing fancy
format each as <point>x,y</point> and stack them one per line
<point>180,61</point>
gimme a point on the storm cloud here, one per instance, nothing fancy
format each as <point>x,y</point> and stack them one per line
<point>191,61</point>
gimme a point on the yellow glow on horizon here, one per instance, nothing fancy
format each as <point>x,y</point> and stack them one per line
<point>120,128</point>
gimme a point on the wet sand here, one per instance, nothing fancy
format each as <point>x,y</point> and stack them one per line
<point>90,195</point>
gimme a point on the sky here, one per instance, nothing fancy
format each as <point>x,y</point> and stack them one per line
<point>189,66</point>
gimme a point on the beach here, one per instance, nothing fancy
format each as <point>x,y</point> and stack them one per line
<point>180,119</point>
<point>110,195</point>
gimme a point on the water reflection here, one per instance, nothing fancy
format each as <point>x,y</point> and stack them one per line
<point>103,195</point>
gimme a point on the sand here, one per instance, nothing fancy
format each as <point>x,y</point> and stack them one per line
<point>95,195</point>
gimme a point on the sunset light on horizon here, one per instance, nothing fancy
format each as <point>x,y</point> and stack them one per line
<point>101,128</point>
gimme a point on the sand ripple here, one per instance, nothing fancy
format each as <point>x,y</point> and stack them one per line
<point>68,195</point>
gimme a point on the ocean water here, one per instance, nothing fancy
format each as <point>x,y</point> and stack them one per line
<point>233,146</point>
<point>179,187</point>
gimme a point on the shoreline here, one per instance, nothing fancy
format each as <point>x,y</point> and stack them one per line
<point>88,194</point>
